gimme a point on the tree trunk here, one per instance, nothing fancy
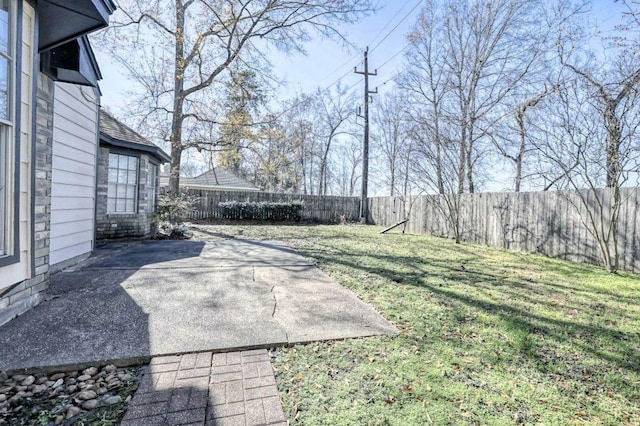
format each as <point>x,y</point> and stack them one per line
<point>461,165</point>
<point>178,101</point>
<point>439,177</point>
<point>392,190</point>
<point>613,147</point>
<point>519,158</point>
<point>469,159</point>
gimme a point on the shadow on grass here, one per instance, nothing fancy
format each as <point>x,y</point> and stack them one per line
<point>496,294</point>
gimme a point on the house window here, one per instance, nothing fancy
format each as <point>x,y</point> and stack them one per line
<point>152,187</point>
<point>7,132</point>
<point>123,184</point>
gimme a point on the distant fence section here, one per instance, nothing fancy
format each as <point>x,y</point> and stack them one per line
<point>316,208</point>
<point>550,223</point>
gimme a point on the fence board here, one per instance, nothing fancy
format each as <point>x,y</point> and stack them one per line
<point>316,208</point>
<point>551,223</point>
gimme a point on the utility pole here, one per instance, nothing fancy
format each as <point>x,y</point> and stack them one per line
<point>364,210</point>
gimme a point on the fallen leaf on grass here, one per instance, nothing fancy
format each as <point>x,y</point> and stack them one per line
<point>406,389</point>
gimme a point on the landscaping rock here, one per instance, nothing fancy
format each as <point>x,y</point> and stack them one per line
<point>90,405</point>
<point>15,399</point>
<point>112,400</point>
<point>110,368</point>
<point>86,395</point>
<point>37,389</point>
<point>91,371</point>
<point>28,381</point>
<point>57,376</point>
<point>24,398</point>
<point>72,411</point>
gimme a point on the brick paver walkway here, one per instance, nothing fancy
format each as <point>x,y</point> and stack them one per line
<point>235,388</point>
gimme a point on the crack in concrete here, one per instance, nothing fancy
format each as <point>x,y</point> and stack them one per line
<point>273,314</point>
<point>275,302</point>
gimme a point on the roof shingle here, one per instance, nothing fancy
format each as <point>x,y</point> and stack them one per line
<point>115,129</point>
<point>216,178</point>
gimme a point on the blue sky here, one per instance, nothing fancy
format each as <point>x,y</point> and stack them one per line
<point>325,61</point>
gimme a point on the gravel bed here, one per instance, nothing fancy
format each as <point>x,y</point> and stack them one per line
<point>93,396</point>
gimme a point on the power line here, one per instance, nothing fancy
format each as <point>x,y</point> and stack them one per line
<point>338,79</point>
<point>390,21</point>
<point>339,67</point>
<point>389,79</point>
<point>348,72</point>
<point>394,56</point>
<point>396,26</point>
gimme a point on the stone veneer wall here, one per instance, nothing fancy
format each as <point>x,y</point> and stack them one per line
<point>141,224</point>
<point>27,294</point>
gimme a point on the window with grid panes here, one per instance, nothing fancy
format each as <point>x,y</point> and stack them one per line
<point>122,195</point>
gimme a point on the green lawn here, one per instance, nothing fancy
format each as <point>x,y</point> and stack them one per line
<point>488,336</point>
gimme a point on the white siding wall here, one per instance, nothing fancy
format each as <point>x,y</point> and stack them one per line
<point>75,139</point>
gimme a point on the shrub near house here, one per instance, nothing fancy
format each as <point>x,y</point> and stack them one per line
<point>262,210</point>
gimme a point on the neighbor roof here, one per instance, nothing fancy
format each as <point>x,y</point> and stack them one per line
<point>116,133</point>
<point>216,178</point>
<point>219,177</point>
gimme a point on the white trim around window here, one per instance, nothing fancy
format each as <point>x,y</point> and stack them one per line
<point>9,164</point>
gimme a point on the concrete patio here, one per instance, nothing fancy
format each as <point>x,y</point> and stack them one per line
<point>131,302</point>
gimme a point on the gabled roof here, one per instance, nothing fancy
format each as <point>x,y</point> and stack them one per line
<point>219,177</point>
<point>116,133</point>
<point>216,178</point>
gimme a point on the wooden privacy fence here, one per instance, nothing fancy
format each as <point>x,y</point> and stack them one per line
<point>552,223</point>
<point>316,208</point>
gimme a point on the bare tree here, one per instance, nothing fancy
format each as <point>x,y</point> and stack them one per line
<point>334,112</point>
<point>390,136</point>
<point>299,118</point>
<point>466,63</point>
<point>348,160</point>
<point>512,148</point>
<point>592,136</point>
<point>426,84</point>
<point>179,51</point>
